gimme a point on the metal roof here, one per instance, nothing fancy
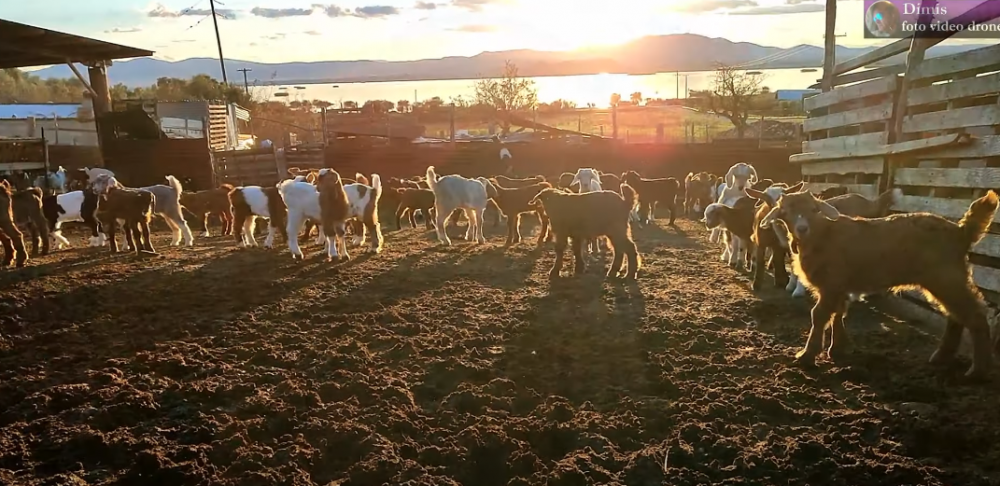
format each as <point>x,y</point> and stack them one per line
<point>23,45</point>
<point>39,110</point>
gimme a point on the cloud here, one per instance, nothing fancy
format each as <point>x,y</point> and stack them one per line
<point>475,28</point>
<point>162,12</point>
<point>375,11</point>
<point>278,36</point>
<point>472,5</point>
<point>425,6</point>
<point>369,12</point>
<point>705,6</point>
<point>129,30</point>
<point>792,8</point>
<point>277,13</point>
<point>311,32</point>
<point>179,41</point>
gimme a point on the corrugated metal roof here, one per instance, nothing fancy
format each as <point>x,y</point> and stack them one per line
<point>42,110</point>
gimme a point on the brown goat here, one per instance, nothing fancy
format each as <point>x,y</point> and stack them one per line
<point>334,208</point>
<point>10,236</point>
<point>767,238</point>
<point>27,205</point>
<point>515,202</point>
<point>651,192</point>
<point>134,208</point>
<point>832,192</point>
<point>208,202</point>
<point>698,190</point>
<point>584,217</point>
<point>410,200</point>
<point>837,255</point>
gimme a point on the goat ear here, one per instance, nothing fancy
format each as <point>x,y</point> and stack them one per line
<point>597,176</point>
<point>828,211</point>
<point>751,192</point>
<point>769,218</point>
<point>795,188</point>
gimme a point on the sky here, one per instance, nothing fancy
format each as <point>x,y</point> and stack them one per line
<point>304,30</point>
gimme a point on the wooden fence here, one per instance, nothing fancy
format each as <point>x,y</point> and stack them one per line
<point>146,162</point>
<point>257,167</point>
<point>932,133</point>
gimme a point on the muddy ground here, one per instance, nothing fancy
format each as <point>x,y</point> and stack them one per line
<point>465,365</point>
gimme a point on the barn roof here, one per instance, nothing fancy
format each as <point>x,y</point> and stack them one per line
<point>23,45</point>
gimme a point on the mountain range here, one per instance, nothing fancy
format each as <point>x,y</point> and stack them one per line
<point>646,55</point>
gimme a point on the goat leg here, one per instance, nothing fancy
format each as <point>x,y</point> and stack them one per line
<point>758,268</point>
<point>579,264</point>
<point>113,235</point>
<point>8,250</point>
<point>561,243</point>
<point>840,341</point>
<point>428,219</point>
<point>400,211</point>
<point>545,233</point>
<point>824,310</point>
<point>618,260</point>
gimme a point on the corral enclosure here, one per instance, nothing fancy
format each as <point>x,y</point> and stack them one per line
<point>931,132</point>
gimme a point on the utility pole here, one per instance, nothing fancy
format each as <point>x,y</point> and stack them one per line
<point>246,86</point>
<point>830,45</point>
<point>218,40</point>
<point>677,84</point>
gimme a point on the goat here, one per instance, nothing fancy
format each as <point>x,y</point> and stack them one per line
<point>858,206</point>
<point>588,180</point>
<point>82,178</point>
<point>773,239</point>
<point>567,181</point>
<point>832,192</point>
<point>452,192</point>
<point>208,202</point>
<point>586,216</point>
<point>699,190</point>
<point>10,236</point>
<point>251,202</point>
<point>739,222</point>
<point>17,180</point>
<point>837,255</point>
<point>739,177</point>
<point>168,207</point>
<point>73,207</point>
<point>52,183</point>
<point>651,192</point>
<point>27,205</point>
<point>338,204</point>
<point>515,202</point>
<point>412,200</point>
<point>131,207</point>
<point>511,183</point>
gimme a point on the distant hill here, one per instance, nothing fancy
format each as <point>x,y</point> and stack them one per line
<point>652,54</point>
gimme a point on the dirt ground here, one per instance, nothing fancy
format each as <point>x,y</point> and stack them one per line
<point>440,366</point>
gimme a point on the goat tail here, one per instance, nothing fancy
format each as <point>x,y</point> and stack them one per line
<point>376,186</point>
<point>175,185</point>
<point>432,178</point>
<point>977,219</point>
<point>631,197</point>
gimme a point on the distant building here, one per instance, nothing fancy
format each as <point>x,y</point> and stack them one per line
<point>795,94</point>
<point>39,110</point>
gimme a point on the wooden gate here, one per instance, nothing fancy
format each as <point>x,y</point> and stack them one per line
<point>253,167</point>
<point>932,132</point>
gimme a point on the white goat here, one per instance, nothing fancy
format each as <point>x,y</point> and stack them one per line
<point>168,206</point>
<point>56,180</point>
<point>252,202</point>
<point>590,181</point>
<point>302,199</point>
<point>739,177</point>
<point>453,192</point>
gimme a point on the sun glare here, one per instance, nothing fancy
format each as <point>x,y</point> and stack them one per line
<point>565,25</point>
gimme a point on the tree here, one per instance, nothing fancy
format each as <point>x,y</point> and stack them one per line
<point>506,96</point>
<point>615,99</point>
<point>349,105</point>
<point>403,106</point>
<point>732,95</point>
<point>636,98</point>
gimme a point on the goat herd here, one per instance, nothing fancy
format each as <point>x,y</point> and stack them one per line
<point>842,246</point>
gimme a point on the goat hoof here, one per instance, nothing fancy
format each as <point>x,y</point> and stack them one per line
<point>839,353</point>
<point>805,358</point>
<point>940,358</point>
<point>976,373</point>
<point>755,286</point>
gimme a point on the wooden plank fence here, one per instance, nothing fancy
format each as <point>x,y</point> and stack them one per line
<point>253,167</point>
<point>932,132</point>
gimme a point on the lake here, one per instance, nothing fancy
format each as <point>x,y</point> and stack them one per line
<point>583,89</point>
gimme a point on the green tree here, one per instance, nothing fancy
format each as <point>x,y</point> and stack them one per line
<point>506,95</point>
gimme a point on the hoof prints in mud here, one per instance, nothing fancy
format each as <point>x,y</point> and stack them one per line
<point>431,366</point>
